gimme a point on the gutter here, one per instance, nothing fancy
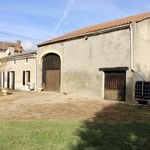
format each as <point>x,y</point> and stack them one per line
<point>19,57</point>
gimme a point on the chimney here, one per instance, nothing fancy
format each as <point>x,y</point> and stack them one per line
<point>19,46</point>
<point>18,42</point>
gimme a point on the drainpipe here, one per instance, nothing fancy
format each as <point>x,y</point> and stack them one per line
<point>132,66</point>
<point>132,48</point>
<point>132,52</point>
<point>132,55</point>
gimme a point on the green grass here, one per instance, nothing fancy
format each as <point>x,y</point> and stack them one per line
<point>121,136</point>
<point>68,135</point>
<point>119,127</point>
<point>38,135</point>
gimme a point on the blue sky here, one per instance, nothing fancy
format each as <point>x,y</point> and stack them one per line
<point>44,19</point>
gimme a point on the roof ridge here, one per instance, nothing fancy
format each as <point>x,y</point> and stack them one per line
<point>98,27</point>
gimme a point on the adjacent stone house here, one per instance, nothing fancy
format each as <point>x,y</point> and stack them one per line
<point>19,72</point>
<point>101,61</point>
<point>9,48</point>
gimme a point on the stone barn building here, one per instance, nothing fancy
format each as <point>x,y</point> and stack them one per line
<point>101,61</point>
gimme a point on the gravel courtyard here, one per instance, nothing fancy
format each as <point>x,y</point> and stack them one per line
<point>48,105</point>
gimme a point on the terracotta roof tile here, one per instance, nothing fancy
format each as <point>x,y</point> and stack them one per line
<point>107,25</point>
<point>4,46</point>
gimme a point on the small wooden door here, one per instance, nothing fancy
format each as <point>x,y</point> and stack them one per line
<point>52,80</point>
<point>115,85</point>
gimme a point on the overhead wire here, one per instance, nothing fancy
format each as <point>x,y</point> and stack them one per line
<point>21,36</point>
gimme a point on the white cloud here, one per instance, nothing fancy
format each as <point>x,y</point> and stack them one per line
<point>28,45</point>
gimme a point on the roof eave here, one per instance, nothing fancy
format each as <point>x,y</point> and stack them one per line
<point>20,56</point>
<point>87,34</point>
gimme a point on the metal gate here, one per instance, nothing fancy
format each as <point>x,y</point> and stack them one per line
<point>115,85</point>
<point>142,91</point>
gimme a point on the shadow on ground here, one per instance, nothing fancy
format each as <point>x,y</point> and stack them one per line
<point>116,127</point>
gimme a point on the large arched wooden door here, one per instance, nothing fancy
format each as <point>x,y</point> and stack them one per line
<point>51,72</point>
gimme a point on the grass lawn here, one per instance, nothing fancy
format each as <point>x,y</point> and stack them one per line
<point>122,128</point>
<point>38,135</point>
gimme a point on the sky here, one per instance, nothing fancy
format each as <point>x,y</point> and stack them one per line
<point>34,21</point>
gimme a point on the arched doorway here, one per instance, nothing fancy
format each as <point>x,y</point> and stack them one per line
<point>51,72</point>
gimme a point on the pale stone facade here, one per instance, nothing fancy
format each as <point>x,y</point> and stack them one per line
<point>87,61</point>
<point>82,57</point>
<point>19,72</point>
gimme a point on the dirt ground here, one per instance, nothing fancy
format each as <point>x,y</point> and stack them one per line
<point>48,105</point>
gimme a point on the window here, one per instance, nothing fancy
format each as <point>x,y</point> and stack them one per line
<point>26,77</point>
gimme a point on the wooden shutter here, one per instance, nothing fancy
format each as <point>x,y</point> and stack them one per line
<point>28,72</point>
<point>23,77</point>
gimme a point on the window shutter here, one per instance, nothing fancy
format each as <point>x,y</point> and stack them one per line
<point>23,77</point>
<point>28,76</point>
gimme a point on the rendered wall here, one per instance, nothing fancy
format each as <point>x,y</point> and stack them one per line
<point>20,66</point>
<point>81,60</point>
<point>142,50</point>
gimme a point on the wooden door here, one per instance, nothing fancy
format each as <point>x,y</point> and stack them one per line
<point>11,80</point>
<point>115,85</point>
<point>52,80</point>
<point>8,80</point>
<point>51,72</point>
